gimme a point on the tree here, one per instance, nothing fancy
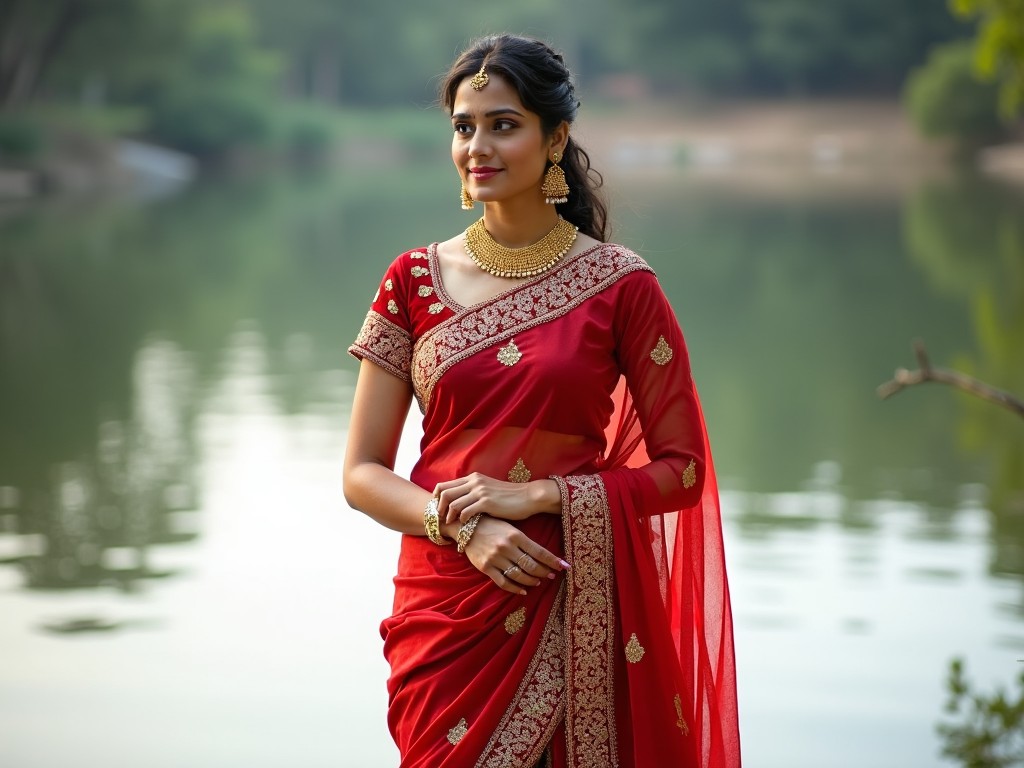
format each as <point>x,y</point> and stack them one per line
<point>999,54</point>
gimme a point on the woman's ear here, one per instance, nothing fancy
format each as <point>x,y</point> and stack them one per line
<point>558,139</point>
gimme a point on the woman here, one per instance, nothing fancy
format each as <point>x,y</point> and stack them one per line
<point>583,617</point>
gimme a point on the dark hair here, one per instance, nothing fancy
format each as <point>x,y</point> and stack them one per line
<point>545,87</point>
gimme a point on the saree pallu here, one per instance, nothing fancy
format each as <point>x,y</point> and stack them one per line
<point>580,375</point>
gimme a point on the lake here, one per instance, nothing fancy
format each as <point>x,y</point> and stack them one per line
<point>181,582</point>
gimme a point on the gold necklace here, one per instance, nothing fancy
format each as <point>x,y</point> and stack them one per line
<point>494,258</point>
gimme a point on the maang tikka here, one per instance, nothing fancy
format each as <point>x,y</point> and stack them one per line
<point>554,188</point>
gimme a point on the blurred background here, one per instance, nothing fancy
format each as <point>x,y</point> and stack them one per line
<point>197,200</point>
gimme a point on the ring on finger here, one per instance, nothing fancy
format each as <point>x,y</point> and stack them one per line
<point>510,569</point>
<point>519,562</point>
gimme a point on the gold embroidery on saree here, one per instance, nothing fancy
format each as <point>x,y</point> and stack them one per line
<point>455,734</point>
<point>519,473</point>
<point>425,290</point>
<point>515,621</point>
<point>547,298</point>
<point>690,474</point>
<point>589,624</point>
<point>680,722</point>
<point>388,285</point>
<point>634,651</point>
<point>662,352</point>
<point>509,354</point>
<point>385,344</point>
<point>536,710</point>
<point>435,308</point>
<point>392,307</point>
<point>419,271</point>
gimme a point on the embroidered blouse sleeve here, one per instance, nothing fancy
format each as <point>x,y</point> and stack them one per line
<point>386,336</point>
<point>652,356</point>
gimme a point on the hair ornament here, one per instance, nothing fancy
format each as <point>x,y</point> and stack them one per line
<point>480,79</point>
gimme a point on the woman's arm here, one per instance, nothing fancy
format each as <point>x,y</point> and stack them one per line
<point>379,410</point>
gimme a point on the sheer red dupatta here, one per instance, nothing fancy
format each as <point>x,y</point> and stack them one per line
<point>675,696</point>
<point>681,552</point>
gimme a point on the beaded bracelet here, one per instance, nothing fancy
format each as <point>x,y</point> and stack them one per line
<point>432,524</point>
<point>466,532</point>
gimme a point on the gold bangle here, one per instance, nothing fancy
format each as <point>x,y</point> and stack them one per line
<point>432,524</point>
<point>466,532</point>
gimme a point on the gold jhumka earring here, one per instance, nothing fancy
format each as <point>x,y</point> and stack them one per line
<point>554,188</point>
<point>467,201</point>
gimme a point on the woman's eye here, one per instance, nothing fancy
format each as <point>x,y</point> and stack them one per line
<point>462,128</point>
<point>504,125</point>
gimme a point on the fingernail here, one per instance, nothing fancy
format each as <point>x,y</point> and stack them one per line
<point>565,564</point>
<point>551,575</point>
<point>522,592</point>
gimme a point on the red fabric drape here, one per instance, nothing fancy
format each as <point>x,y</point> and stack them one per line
<point>627,660</point>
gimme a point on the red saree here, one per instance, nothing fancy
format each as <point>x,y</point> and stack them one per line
<point>628,659</point>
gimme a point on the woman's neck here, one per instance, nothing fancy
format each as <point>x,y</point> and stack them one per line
<point>516,226</point>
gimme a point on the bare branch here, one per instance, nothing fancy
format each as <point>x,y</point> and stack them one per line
<point>904,378</point>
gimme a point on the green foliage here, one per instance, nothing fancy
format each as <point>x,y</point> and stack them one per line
<point>946,99</point>
<point>222,91</point>
<point>1000,48</point>
<point>990,733</point>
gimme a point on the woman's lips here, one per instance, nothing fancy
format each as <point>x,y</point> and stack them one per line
<point>483,173</point>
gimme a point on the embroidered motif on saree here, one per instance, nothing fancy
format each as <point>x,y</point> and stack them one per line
<point>690,474</point>
<point>509,354</point>
<point>519,473</point>
<point>680,722</point>
<point>634,651</point>
<point>455,734</point>
<point>425,290</point>
<point>662,352</point>
<point>515,621</point>
<point>419,271</point>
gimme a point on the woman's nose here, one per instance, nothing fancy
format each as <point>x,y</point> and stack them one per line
<point>479,145</point>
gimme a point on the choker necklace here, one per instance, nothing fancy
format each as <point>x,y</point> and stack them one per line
<point>535,259</point>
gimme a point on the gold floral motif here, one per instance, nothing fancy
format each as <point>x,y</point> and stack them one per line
<point>388,285</point>
<point>509,354</point>
<point>384,343</point>
<point>425,290</point>
<point>662,352</point>
<point>455,734</point>
<point>435,308</point>
<point>392,307</point>
<point>690,474</point>
<point>417,255</point>
<point>634,651</point>
<point>536,710</point>
<point>533,303</point>
<point>680,722</point>
<point>519,473</point>
<point>419,271</point>
<point>589,623</point>
<point>515,621</point>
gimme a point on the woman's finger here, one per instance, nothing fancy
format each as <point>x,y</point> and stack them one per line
<point>518,575</point>
<point>542,556</point>
<point>507,584</point>
<point>455,490</point>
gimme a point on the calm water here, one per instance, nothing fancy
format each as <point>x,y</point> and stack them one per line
<point>182,584</point>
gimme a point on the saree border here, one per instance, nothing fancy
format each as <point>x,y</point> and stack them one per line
<point>385,344</point>
<point>491,322</point>
<point>526,728</point>
<point>591,739</point>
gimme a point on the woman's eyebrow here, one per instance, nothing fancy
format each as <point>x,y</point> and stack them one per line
<point>491,113</point>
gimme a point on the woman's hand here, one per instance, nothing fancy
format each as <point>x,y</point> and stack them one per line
<point>460,499</point>
<point>511,559</point>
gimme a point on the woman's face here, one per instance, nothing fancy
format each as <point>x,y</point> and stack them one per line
<point>498,145</point>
